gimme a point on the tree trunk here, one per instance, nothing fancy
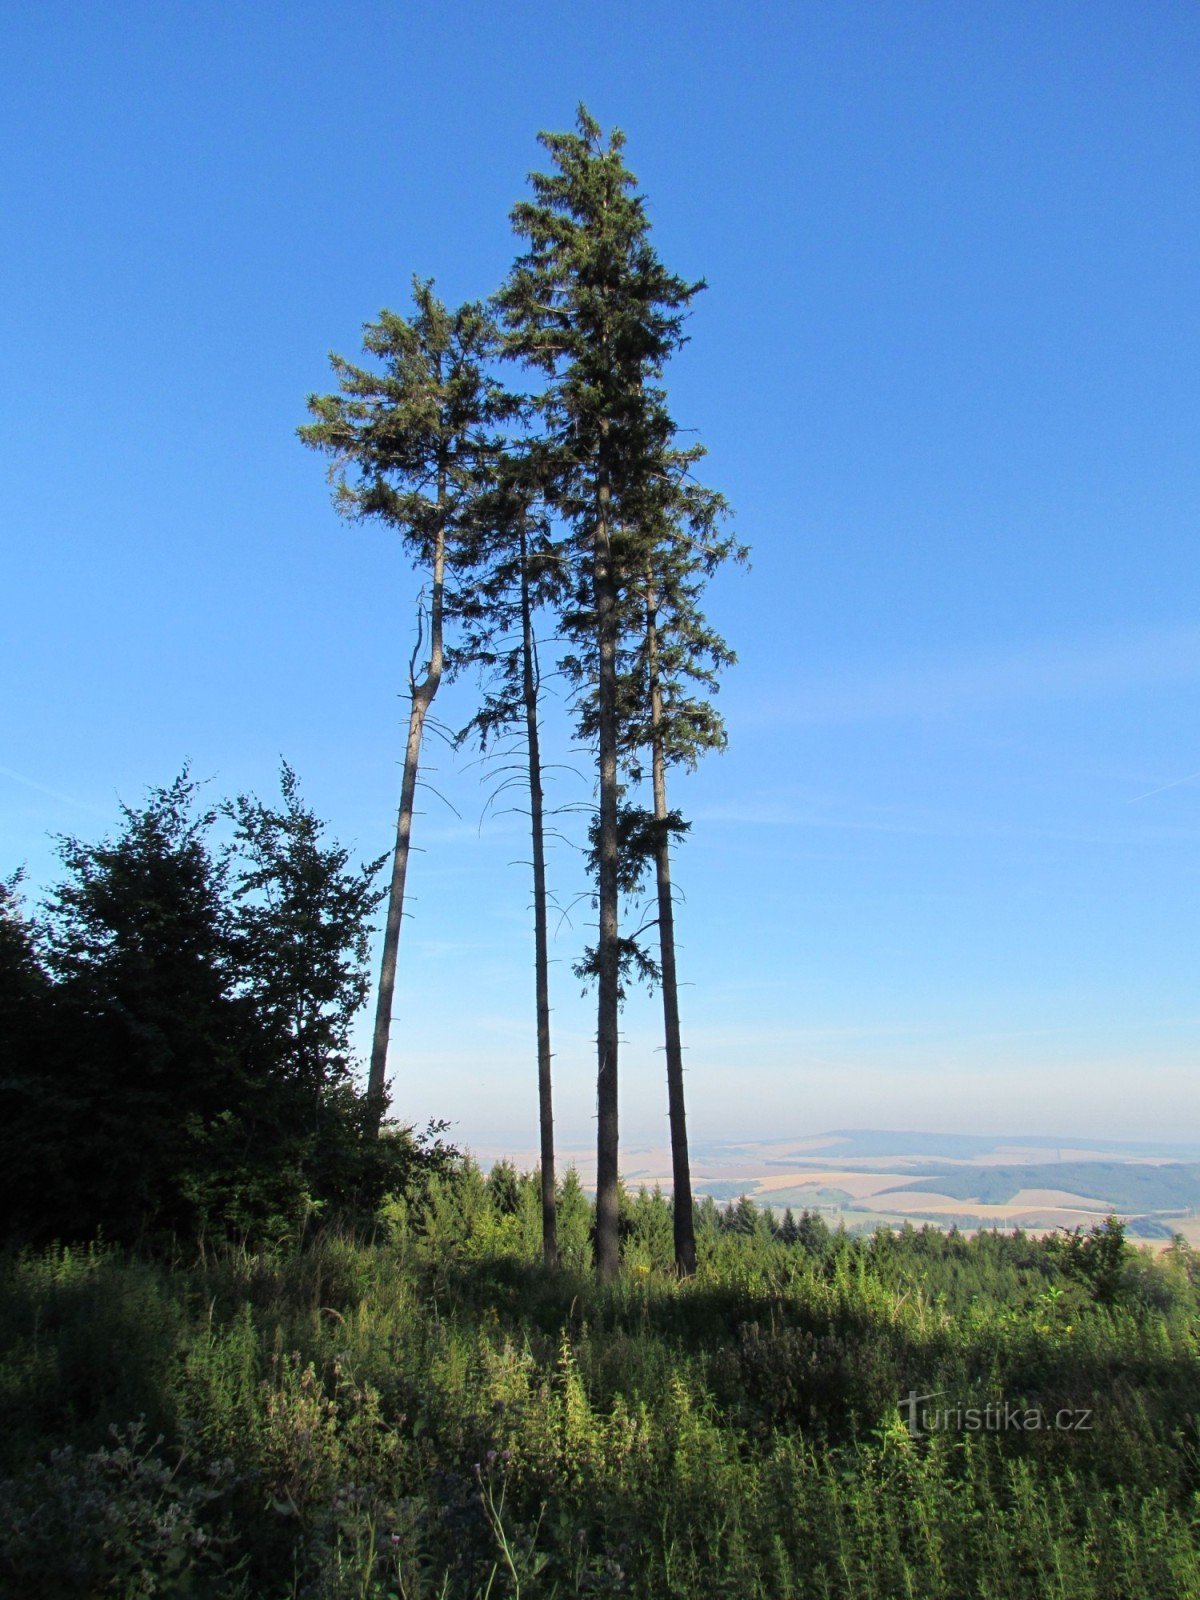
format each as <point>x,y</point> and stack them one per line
<point>422,698</point>
<point>607,1238</point>
<point>685,1231</point>
<point>540,945</point>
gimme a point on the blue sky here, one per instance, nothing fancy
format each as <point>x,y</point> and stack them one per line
<point>947,372</point>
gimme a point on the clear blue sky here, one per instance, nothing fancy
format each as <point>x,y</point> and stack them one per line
<point>947,370</point>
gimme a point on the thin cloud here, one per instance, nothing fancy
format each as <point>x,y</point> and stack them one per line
<point>54,794</point>
<point>767,813</point>
<point>1045,671</point>
<point>1163,787</point>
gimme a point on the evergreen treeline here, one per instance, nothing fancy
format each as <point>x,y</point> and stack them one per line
<point>175,1022</point>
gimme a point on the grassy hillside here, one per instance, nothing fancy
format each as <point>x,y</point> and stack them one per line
<point>431,1414</point>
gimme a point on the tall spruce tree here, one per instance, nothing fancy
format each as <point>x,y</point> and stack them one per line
<point>516,572</point>
<point>590,305</point>
<point>407,444</point>
<point>668,714</point>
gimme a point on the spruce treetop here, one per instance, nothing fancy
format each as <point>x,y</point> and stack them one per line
<point>406,438</point>
<point>591,304</point>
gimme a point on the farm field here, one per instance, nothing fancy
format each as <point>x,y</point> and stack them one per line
<point>854,1179</point>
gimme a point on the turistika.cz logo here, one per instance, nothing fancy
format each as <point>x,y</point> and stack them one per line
<point>997,1416</point>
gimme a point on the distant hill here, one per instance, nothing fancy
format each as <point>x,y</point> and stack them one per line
<point>1126,1186</point>
<point>868,1143</point>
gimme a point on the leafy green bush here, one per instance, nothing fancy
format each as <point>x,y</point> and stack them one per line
<point>118,1521</point>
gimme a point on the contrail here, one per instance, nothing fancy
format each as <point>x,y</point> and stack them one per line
<point>55,794</point>
<point>1162,789</point>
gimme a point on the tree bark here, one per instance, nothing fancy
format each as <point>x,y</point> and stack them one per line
<point>607,1236</point>
<point>422,698</point>
<point>541,956</point>
<point>685,1231</point>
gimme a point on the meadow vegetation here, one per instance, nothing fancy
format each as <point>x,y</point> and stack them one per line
<point>426,1410</point>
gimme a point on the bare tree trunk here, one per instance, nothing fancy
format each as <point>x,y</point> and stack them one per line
<point>422,699</point>
<point>685,1231</point>
<point>607,1236</point>
<point>541,957</point>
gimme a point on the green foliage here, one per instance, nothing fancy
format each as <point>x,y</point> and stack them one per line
<point>118,1521</point>
<point>590,305</point>
<point>406,438</point>
<point>21,975</point>
<point>504,1188</point>
<point>1098,1258</point>
<point>176,1032</point>
<point>300,936</point>
<point>436,1414</point>
<point>574,1223</point>
<point>141,1055</point>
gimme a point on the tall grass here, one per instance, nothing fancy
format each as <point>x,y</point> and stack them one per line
<point>431,1413</point>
